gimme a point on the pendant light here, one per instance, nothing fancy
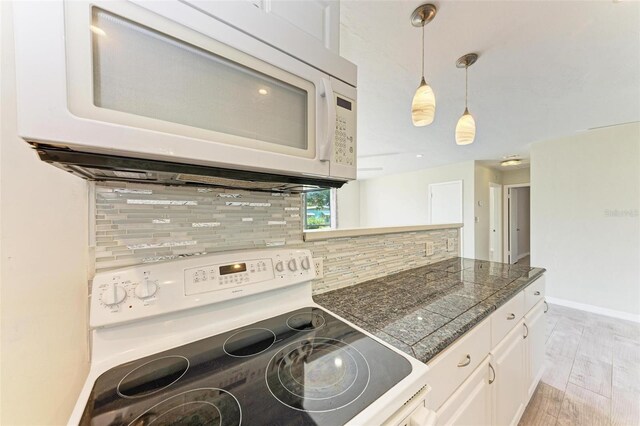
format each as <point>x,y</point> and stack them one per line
<point>423,106</point>
<point>466,127</point>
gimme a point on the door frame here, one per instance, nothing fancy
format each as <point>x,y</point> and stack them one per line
<point>499,213</point>
<point>506,210</point>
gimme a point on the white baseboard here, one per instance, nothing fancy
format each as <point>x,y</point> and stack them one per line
<point>594,309</point>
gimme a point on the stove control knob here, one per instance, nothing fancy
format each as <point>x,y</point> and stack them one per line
<point>114,295</point>
<point>146,289</point>
<point>292,265</point>
<point>280,266</point>
<point>305,263</point>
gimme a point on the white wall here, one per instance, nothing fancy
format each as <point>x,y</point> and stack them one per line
<point>402,199</point>
<point>43,267</point>
<point>585,223</point>
<point>481,206</point>
<point>516,176</point>
<point>348,208</point>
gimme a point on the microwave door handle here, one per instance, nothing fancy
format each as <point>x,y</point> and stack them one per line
<point>324,149</point>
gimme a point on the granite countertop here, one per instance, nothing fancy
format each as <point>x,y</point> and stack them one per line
<point>421,311</point>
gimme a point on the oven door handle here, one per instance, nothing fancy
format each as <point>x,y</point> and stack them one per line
<point>326,143</point>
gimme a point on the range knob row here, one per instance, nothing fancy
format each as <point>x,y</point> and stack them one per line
<point>116,294</point>
<point>292,265</point>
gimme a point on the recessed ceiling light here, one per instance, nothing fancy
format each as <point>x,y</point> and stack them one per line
<point>513,162</point>
<point>418,155</point>
<point>263,91</point>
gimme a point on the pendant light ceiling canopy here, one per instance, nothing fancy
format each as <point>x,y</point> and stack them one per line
<point>423,107</point>
<point>466,127</point>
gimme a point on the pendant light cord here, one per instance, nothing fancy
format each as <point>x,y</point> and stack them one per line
<point>466,86</point>
<point>423,51</point>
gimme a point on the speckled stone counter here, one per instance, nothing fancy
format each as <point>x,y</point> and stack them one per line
<point>421,311</point>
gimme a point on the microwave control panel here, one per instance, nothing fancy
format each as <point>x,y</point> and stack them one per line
<point>344,146</point>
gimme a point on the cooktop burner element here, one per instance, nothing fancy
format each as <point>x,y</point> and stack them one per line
<point>305,321</point>
<point>304,367</point>
<point>249,342</point>
<point>318,375</point>
<point>207,406</point>
<point>153,376</point>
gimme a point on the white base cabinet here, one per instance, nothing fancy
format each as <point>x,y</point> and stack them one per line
<point>534,347</point>
<point>507,359</point>
<point>496,390</point>
<point>471,403</point>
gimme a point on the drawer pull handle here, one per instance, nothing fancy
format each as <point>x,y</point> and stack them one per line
<point>465,362</point>
<point>527,330</point>
<point>537,293</point>
<point>511,316</point>
<point>493,374</point>
<point>546,307</point>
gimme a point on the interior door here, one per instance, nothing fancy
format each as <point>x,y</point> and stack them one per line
<point>523,221</point>
<point>513,225</point>
<point>445,202</point>
<point>495,225</point>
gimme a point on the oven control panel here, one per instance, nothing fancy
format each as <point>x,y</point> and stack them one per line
<point>138,292</point>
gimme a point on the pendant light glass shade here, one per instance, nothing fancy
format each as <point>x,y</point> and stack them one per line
<point>465,129</point>
<point>423,107</point>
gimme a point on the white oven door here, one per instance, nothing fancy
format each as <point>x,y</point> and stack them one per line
<point>161,80</point>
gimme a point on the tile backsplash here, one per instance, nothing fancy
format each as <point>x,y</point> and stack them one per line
<point>352,260</point>
<point>137,223</point>
<point>147,223</point>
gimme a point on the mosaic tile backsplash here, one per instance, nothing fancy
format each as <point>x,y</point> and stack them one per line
<point>137,223</point>
<point>148,223</point>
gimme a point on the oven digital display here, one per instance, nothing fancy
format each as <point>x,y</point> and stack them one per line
<point>233,269</point>
<point>344,103</point>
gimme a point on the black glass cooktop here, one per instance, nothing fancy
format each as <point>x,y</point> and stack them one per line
<point>305,367</point>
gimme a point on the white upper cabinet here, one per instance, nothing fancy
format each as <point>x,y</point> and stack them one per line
<point>306,29</point>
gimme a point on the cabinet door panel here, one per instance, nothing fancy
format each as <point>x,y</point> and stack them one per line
<point>534,344</point>
<point>508,388</point>
<point>471,403</point>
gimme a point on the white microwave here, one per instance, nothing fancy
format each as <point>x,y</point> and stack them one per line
<point>123,90</point>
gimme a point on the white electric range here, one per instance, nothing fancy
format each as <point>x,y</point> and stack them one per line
<point>235,338</point>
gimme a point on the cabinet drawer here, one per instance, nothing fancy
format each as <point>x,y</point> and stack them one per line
<point>452,367</point>
<point>534,293</point>
<point>506,317</point>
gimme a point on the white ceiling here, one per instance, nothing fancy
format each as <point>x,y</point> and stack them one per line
<point>546,69</point>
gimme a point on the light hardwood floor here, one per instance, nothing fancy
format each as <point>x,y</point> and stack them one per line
<point>592,374</point>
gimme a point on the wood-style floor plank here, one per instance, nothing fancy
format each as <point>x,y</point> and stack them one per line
<point>557,371</point>
<point>583,407</point>
<point>592,374</point>
<point>626,352</point>
<point>627,378</point>
<point>544,407</point>
<point>625,408</point>
<point>562,344</point>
